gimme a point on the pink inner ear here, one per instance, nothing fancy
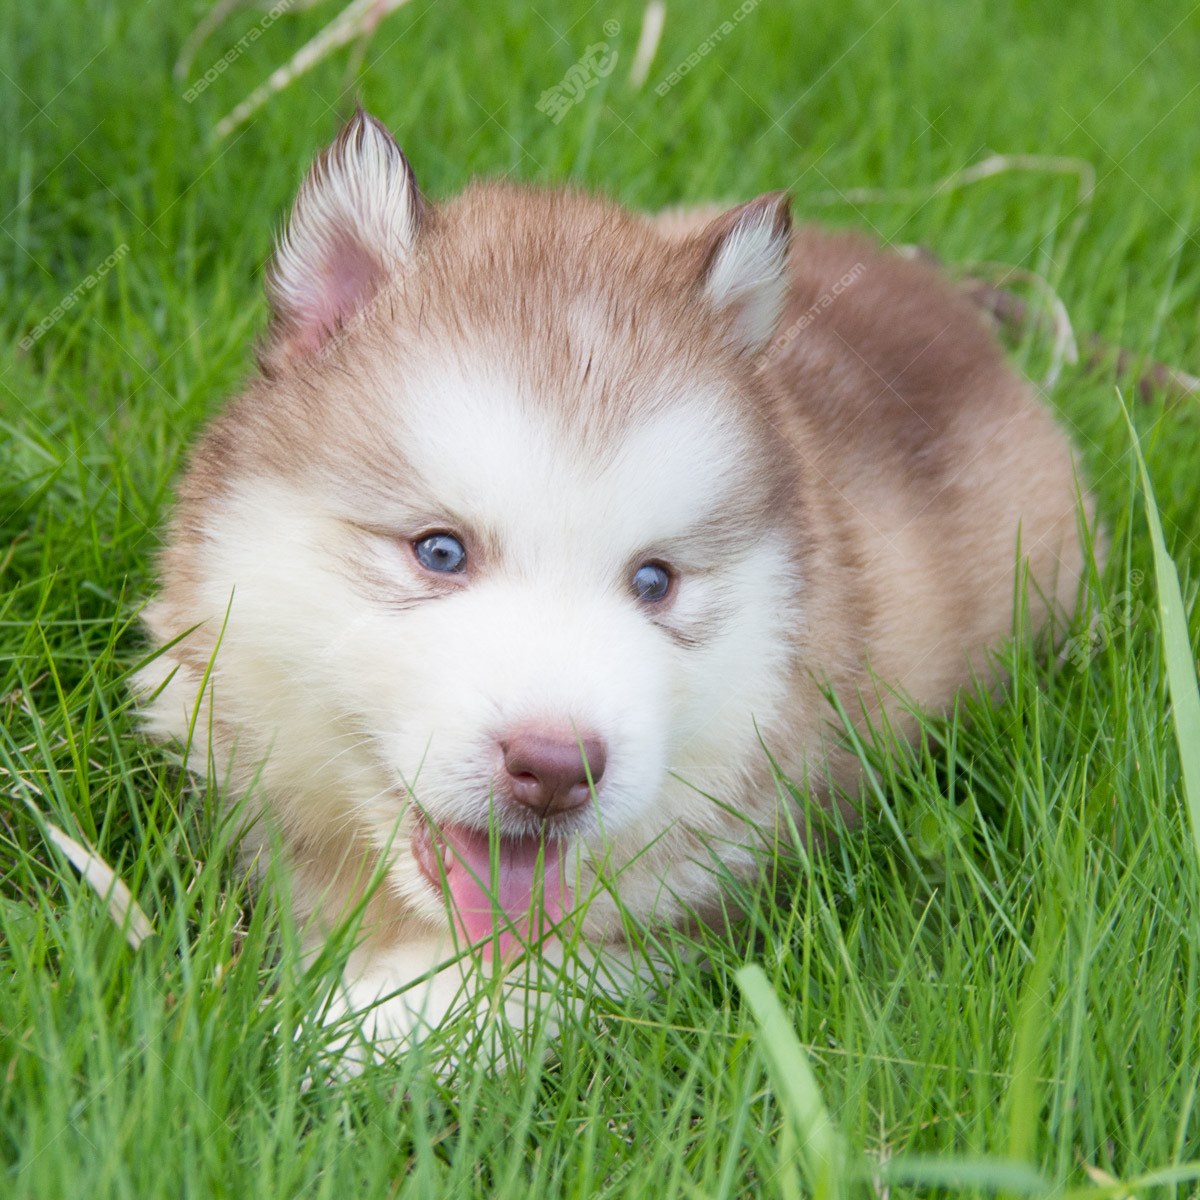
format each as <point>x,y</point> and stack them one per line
<point>346,279</point>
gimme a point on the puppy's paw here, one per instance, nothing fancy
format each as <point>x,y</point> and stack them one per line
<point>400,997</point>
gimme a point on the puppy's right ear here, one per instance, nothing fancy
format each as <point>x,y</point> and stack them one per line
<point>352,229</point>
<point>745,274</point>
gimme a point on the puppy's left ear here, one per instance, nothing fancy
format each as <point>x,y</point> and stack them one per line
<point>352,231</point>
<point>745,270</point>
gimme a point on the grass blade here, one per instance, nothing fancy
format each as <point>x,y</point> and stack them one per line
<point>796,1086</point>
<point>1177,651</point>
<point>965,1174</point>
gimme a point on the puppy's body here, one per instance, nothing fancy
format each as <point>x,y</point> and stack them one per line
<point>817,445</point>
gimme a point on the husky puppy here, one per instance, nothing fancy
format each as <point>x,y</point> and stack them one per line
<point>542,522</point>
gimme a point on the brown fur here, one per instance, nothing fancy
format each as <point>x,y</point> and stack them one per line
<point>926,465</point>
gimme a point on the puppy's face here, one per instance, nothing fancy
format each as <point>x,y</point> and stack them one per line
<point>503,523</point>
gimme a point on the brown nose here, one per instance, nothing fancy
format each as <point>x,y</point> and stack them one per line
<point>547,773</point>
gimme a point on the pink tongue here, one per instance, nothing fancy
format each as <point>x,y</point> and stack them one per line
<point>499,909</point>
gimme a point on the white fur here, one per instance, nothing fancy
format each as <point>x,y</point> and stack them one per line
<point>347,696</point>
<point>548,380</point>
<point>355,707</point>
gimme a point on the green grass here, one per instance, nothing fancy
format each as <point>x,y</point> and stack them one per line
<point>994,983</point>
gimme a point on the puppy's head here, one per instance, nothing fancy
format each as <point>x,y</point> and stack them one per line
<point>499,540</point>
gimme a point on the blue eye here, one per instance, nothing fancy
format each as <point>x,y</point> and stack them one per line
<point>441,552</point>
<point>652,582</point>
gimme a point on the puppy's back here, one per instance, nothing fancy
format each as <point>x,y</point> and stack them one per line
<point>940,470</point>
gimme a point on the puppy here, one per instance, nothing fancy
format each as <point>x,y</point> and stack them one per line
<point>544,526</point>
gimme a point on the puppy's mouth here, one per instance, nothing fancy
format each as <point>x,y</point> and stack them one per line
<point>505,891</point>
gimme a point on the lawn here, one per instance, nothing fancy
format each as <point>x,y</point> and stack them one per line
<point>991,986</point>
